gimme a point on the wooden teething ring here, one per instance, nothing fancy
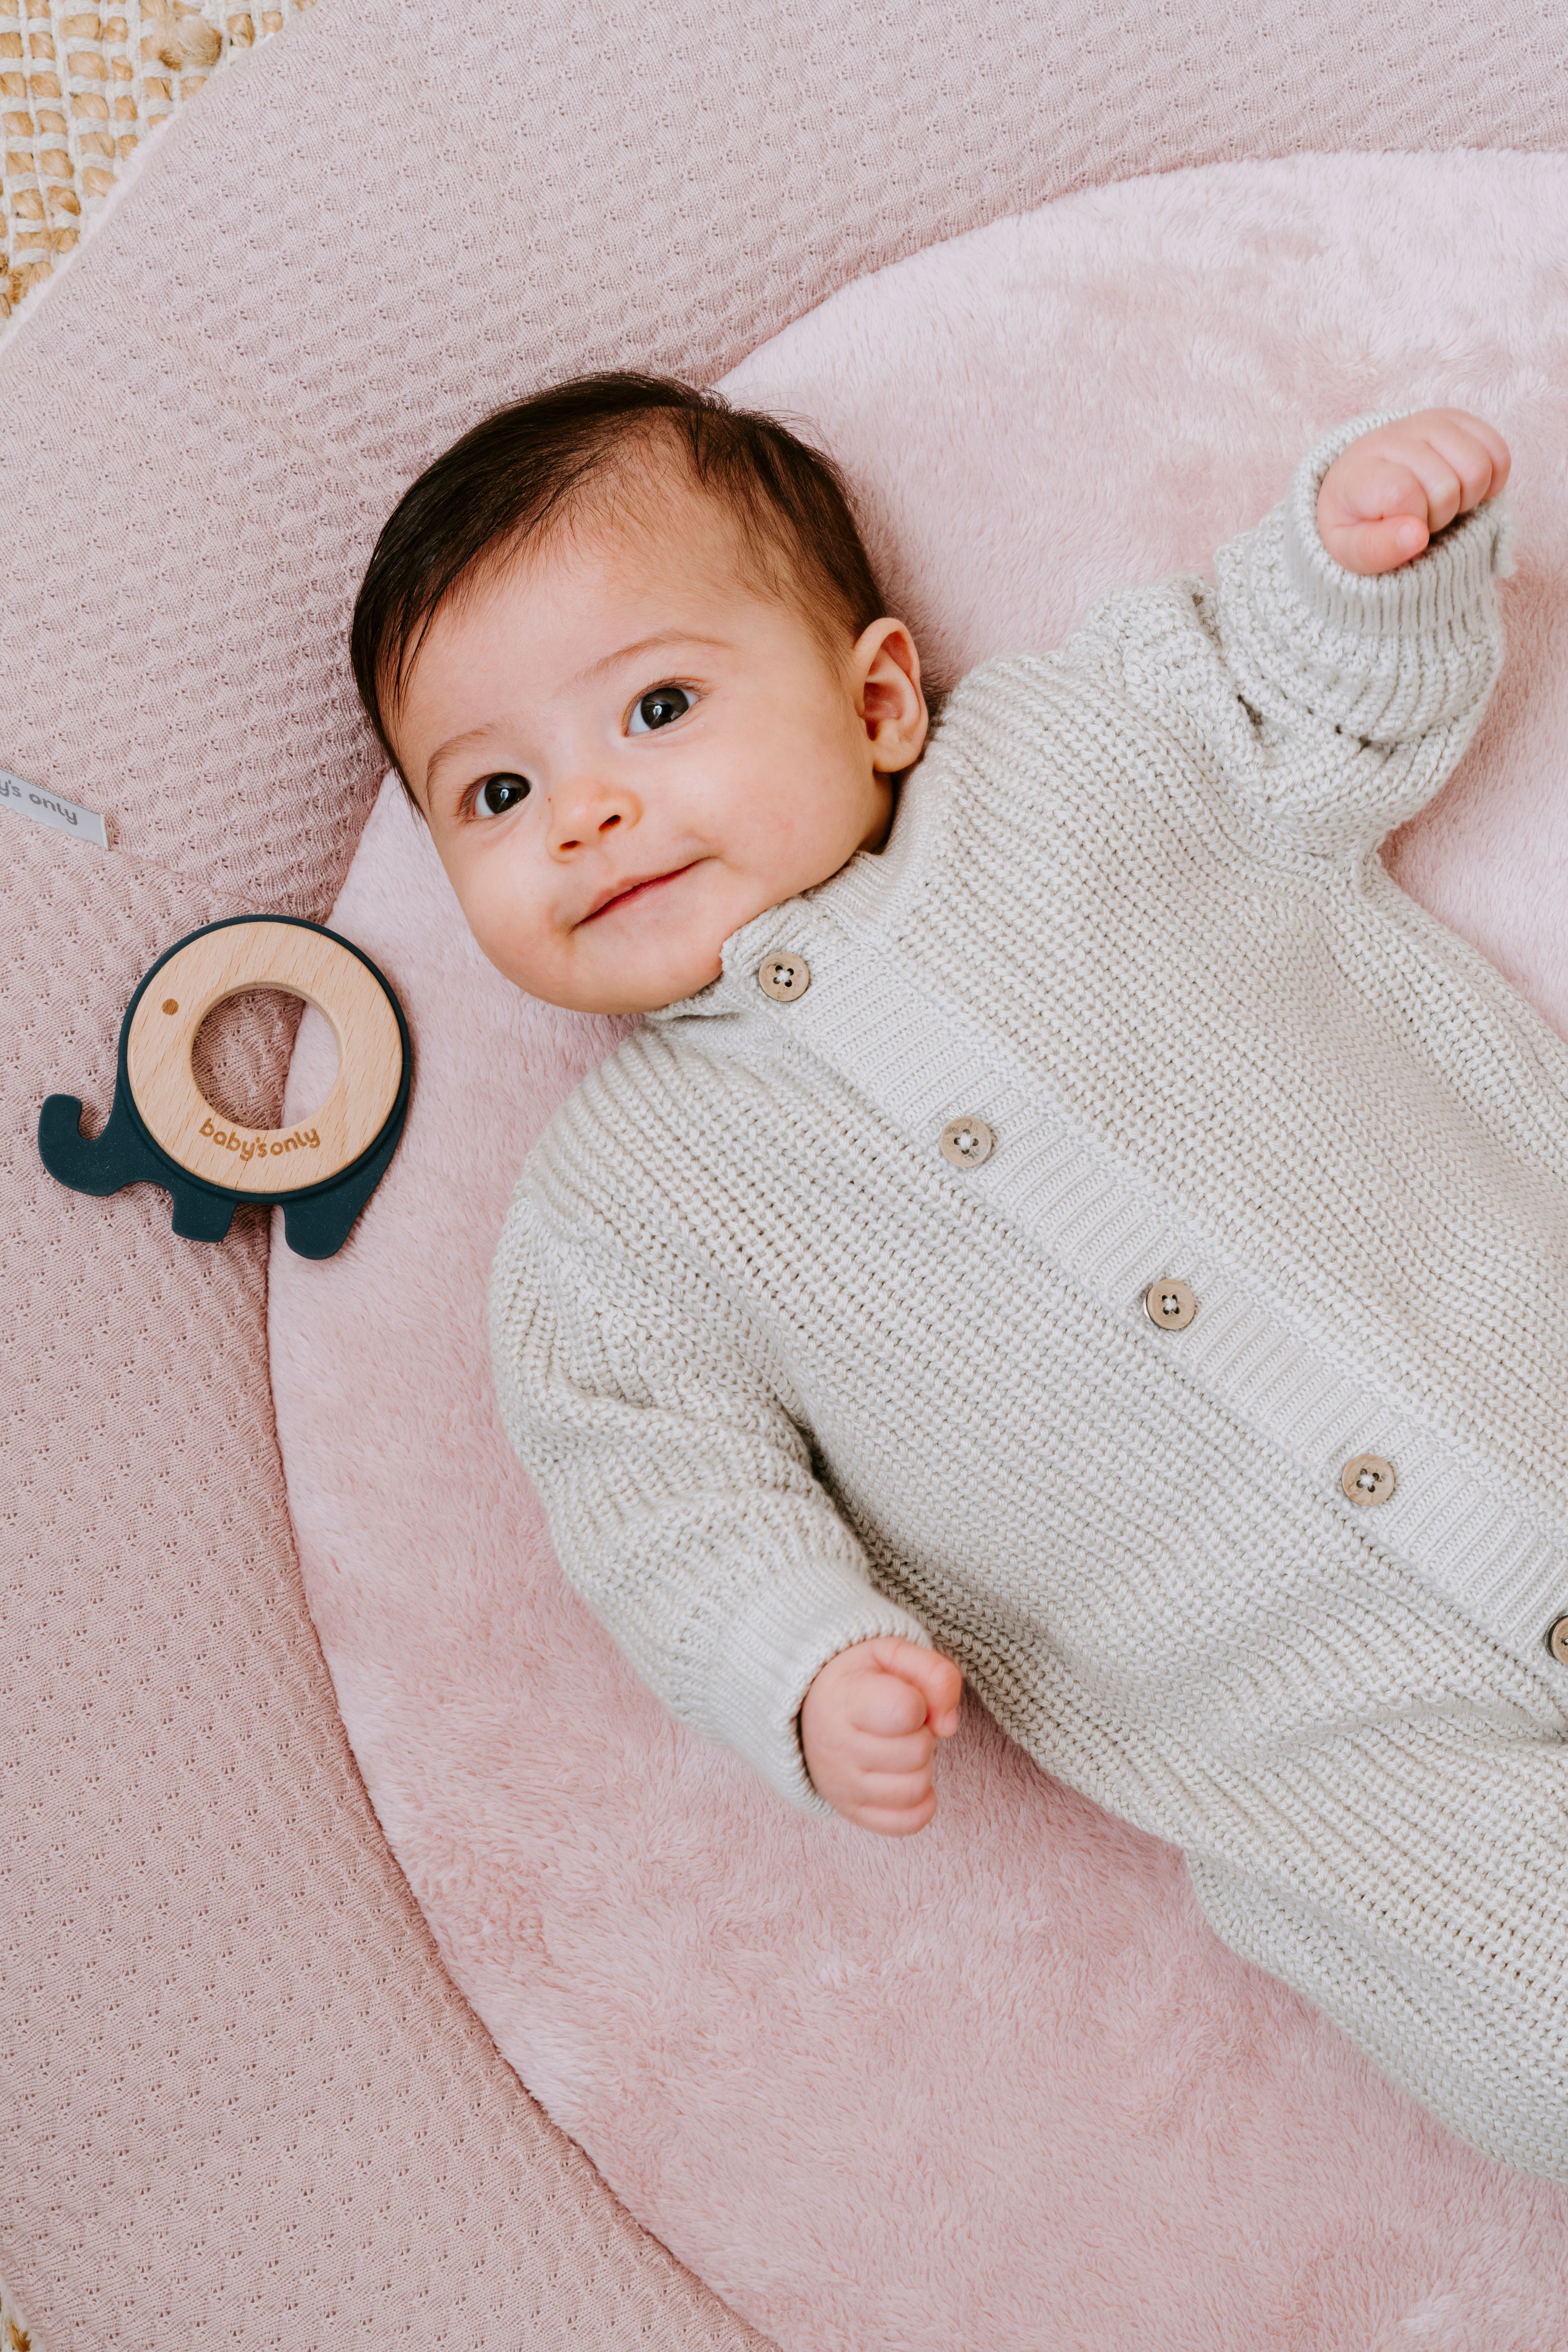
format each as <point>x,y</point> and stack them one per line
<point>302,961</point>
<point>162,1131</point>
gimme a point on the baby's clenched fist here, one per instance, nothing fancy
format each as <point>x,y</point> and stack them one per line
<point>1383,498</point>
<point>869,1727</point>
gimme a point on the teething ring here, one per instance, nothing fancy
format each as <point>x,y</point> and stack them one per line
<point>162,1131</point>
<point>299,960</point>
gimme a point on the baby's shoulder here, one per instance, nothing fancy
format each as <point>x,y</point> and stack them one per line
<point>661,1101</point>
<point>619,1113</point>
<point>597,1168</point>
<point>981,726</point>
<point>657,1178</point>
<point>1146,657</point>
<point>1145,648</point>
<point>1171,621</point>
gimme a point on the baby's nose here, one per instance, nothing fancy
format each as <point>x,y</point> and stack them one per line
<point>605,825</point>
<point>582,817</point>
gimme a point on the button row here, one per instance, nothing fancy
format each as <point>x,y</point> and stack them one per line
<point>967,1142</point>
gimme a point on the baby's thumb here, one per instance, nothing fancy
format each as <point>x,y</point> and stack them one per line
<point>936,1679</point>
<point>1370,548</point>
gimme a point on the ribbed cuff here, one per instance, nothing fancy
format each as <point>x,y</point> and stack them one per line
<point>770,1657</point>
<point>1438,590</point>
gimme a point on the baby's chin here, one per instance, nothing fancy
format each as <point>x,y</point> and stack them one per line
<point>622,984</point>
<point>653,990</point>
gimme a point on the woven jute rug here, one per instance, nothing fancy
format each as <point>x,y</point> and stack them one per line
<point>81,91</point>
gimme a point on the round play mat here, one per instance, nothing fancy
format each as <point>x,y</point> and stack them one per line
<point>838,2077</point>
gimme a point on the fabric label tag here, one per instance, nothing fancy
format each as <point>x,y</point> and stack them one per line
<point>51,809</point>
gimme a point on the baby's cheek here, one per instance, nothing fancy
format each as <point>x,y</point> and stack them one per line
<point>501,912</point>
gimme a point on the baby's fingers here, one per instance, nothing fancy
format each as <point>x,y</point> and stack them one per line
<point>936,1679</point>
<point>894,1804</point>
<point>1383,498</point>
<point>885,1705</point>
<point>1381,545</point>
<point>888,1821</point>
<point>876,1757</point>
<point>1463,451</point>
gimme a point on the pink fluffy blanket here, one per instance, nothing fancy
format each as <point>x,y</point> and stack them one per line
<point>998,2087</point>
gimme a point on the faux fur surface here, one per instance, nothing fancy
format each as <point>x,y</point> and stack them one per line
<point>997,2088</point>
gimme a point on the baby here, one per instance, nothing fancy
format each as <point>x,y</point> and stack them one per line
<point>1066,1222</point>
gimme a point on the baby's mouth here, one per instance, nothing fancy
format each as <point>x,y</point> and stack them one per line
<point>629,893</point>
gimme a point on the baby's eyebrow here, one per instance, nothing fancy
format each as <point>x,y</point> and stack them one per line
<point>648,646</point>
<point>444,752</point>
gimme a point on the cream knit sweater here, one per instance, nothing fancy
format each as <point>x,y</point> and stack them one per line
<point>788,1378</point>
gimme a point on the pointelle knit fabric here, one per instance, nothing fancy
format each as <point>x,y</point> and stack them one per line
<point>788,1378</point>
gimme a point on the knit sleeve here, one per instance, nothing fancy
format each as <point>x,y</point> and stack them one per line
<point>679,1493</point>
<point>1360,693</point>
<point>1330,708</point>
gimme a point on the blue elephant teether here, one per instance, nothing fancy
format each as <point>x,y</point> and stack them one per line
<point>162,1131</point>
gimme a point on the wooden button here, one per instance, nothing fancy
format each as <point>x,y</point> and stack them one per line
<point>967,1142</point>
<point>1557,1639</point>
<point>1368,1478</point>
<point>1169,1304</point>
<point>784,977</point>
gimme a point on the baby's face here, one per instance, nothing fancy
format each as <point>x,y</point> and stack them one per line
<point>625,751</point>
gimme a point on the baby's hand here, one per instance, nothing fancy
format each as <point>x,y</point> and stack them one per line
<point>869,1729</point>
<point>1384,496</point>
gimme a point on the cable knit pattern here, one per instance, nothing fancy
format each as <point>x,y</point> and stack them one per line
<point>785,1377</point>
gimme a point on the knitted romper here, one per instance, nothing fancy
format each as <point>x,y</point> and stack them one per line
<point>1115,1235</point>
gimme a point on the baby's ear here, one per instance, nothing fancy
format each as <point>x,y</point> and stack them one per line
<point>887,666</point>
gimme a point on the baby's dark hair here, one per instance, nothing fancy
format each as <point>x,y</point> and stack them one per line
<point>530,468</point>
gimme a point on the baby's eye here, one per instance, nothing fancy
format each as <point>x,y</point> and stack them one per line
<point>657,708</point>
<point>498,793</point>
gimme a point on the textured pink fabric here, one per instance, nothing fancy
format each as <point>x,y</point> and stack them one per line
<point>922,2096</point>
<point>243,2105</point>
